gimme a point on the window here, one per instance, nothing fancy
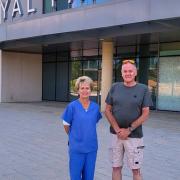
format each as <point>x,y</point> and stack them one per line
<point>61,5</point>
<point>169,84</point>
<point>47,6</point>
<point>57,5</point>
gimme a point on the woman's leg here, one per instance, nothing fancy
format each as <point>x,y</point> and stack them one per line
<point>76,163</point>
<point>89,166</point>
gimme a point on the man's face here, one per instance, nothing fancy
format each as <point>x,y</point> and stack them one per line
<point>128,72</point>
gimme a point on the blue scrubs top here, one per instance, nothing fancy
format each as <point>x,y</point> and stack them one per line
<point>82,130</point>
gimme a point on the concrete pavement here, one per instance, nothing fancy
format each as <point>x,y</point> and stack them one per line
<point>33,144</point>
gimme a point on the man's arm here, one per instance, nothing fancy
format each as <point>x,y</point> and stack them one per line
<point>111,118</point>
<point>125,132</point>
<point>144,116</point>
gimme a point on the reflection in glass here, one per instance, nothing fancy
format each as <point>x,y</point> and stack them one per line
<point>75,72</point>
<point>169,84</point>
<point>57,5</point>
<point>117,70</point>
<point>75,3</point>
<point>151,75</point>
<point>86,68</point>
<point>101,1</point>
<point>76,53</point>
<point>90,52</point>
<point>152,78</point>
<point>61,4</point>
<point>87,2</point>
<point>90,68</point>
<point>79,3</point>
<point>47,6</point>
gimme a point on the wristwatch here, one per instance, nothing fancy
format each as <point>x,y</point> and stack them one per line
<point>131,128</point>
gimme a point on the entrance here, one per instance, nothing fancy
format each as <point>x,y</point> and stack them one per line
<point>55,76</point>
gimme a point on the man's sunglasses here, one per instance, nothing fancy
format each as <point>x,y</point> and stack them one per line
<point>128,61</point>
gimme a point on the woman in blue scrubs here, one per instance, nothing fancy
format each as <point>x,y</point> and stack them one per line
<point>79,119</point>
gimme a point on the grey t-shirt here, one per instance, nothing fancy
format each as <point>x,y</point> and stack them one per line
<point>127,104</point>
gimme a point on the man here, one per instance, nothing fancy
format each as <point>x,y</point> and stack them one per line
<point>127,108</point>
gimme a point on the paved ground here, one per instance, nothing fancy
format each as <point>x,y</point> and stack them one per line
<point>33,145</point>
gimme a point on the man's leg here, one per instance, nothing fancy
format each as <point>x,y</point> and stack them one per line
<point>136,174</point>
<point>116,173</point>
<point>116,152</point>
<point>134,151</point>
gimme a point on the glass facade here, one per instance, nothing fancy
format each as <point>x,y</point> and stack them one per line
<point>47,6</point>
<point>84,58</point>
<point>88,67</point>
<point>169,84</point>
<point>67,66</point>
<point>146,57</point>
<point>169,77</point>
<point>57,5</point>
<point>158,67</point>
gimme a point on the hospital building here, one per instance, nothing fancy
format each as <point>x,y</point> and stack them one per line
<point>45,45</point>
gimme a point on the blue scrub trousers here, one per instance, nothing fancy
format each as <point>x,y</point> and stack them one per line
<point>82,165</point>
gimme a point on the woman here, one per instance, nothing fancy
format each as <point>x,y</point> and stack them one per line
<point>79,119</point>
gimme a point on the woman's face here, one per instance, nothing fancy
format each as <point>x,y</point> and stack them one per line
<point>84,90</point>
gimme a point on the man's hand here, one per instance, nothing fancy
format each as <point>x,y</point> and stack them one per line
<point>123,133</point>
<point>111,118</point>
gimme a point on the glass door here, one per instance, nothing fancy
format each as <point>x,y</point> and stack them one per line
<point>169,84</point>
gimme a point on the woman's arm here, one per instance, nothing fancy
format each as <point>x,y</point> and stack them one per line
<point>66,128</point>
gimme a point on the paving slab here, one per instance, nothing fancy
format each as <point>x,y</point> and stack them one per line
<point>33,144</point>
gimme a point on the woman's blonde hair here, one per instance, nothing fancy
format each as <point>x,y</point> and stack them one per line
<point>83,79</point>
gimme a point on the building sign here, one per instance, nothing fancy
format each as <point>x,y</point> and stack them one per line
<point>17,8</point>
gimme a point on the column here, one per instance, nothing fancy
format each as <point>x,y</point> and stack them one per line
<point>107,70</point>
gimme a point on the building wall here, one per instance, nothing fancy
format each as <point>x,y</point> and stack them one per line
<point>0,15</point>
<point>115,13</point>
<point>21,77</point>
<point>33,4</point>
<point>0,73</point>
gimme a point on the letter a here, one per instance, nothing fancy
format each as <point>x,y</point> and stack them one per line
<point>16,8</point>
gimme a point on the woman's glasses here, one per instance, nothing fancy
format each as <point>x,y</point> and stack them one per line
<point>128,61</point>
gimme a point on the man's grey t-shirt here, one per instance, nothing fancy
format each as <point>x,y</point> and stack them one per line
<point>127,104</point>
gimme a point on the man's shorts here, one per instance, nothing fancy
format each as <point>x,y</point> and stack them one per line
<point>132,147</point>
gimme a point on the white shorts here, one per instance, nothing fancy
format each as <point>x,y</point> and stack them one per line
<point>132,147</point>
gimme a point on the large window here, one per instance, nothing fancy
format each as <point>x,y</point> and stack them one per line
<point>87,67</point>
<point>57,5</point>
<point>91,69</point>
<point>75,72</point>
<point>152,78</point>
<point>146,57</point>
<point>169,84</point>
<point>47,6</point>
<point>55,76</point>
<point>78,3</point>
<point>61,4</point>
<point>169,77</point>
<point>62,68</point>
